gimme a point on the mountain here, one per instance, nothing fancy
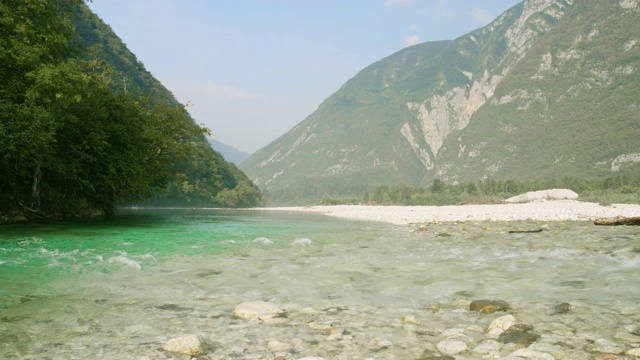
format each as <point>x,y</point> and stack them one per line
<point>549,89</point>
<point>230,153</point>
<point>204,178</point>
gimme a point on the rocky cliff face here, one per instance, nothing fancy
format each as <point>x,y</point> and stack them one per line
<point>476,107</point>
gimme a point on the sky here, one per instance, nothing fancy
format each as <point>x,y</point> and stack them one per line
<point>250,70</point>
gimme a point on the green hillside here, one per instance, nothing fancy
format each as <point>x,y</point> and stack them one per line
<point>547,90</point>
<point>85,128</point>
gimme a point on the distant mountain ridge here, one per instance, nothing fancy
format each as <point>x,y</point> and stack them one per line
<point>548,89</point>
<point>230,153</point>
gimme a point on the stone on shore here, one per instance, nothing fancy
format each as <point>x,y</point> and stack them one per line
<point>256,310</point>
<point>551,194</point>
<point>192,345</point>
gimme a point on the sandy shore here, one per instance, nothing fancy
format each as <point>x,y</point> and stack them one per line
<point>542,210</point>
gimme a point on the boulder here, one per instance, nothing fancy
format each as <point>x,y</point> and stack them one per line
<point>192,345</point>
<point>551,194</point>
<point>256,309</point>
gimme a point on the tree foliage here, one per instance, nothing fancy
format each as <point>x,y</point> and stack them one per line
<point>70,142</point>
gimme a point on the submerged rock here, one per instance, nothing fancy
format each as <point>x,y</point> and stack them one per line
<point>192,345</point>
<point>610,357</point>
<point>452,346</point>
<point>503,322</point>
<point>561,308</point>
<point>520,338</point>
<point>531,355</point>
<point>489,306</point>
<point>257,309</point>
<point>618,221</point>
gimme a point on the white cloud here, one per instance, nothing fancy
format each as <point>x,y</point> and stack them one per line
<point>392,3</point>
<point>412,40</point>
<point>482,16</point>
<point>413,27</point>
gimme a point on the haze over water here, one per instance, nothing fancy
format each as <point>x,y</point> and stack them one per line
<point>120,288</point>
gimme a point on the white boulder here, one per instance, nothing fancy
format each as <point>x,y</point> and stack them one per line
<point>551,194</point>
<point>256,310</point>
<point>192,345</point>
<point>503,323</point>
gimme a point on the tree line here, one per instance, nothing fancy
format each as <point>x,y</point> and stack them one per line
<point>623,187</point>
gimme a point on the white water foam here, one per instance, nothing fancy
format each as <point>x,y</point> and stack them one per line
<point>302,242</point>
<point>263,240</point>
<point>123,260</point>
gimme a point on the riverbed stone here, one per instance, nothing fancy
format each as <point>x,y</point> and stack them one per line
<point>452,346</point>
<point>192,345</point>
<point>503,322</point>
<point>489,306</point>
<point>256,309</point>
<point>610,357</point>
<point>634,352</point>
<point>520,338</point>
<point>488,347</point>
<point>530,354</point>
<point>453,333</point>
<point>604,346</point>
<point>278,346</point>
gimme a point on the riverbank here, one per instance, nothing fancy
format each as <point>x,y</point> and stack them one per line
<point>542,210</point>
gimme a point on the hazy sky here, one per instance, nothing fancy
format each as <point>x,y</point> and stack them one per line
<point>253,69</point>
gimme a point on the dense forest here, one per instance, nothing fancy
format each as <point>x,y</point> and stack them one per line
<point>75,141</point>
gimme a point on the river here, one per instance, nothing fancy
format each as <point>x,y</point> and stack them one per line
<point>119,288</point>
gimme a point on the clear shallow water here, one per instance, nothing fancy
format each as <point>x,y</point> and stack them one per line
<point>118,289</point>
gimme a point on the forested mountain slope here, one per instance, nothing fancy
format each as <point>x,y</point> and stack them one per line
<point>548,89</point>
<point>73,140</point>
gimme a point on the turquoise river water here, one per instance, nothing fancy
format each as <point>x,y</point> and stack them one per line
<point>119,288</point>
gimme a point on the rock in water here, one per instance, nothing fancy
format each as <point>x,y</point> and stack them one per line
<point>503,322</point>
<point>619,221</point>
<point>256,309</point>
<point>488,306</point>
<point>562,308</point>
<point>520,338</point>
<point>192,345</point>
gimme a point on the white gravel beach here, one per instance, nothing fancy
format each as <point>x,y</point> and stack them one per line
<point>541,210</point>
